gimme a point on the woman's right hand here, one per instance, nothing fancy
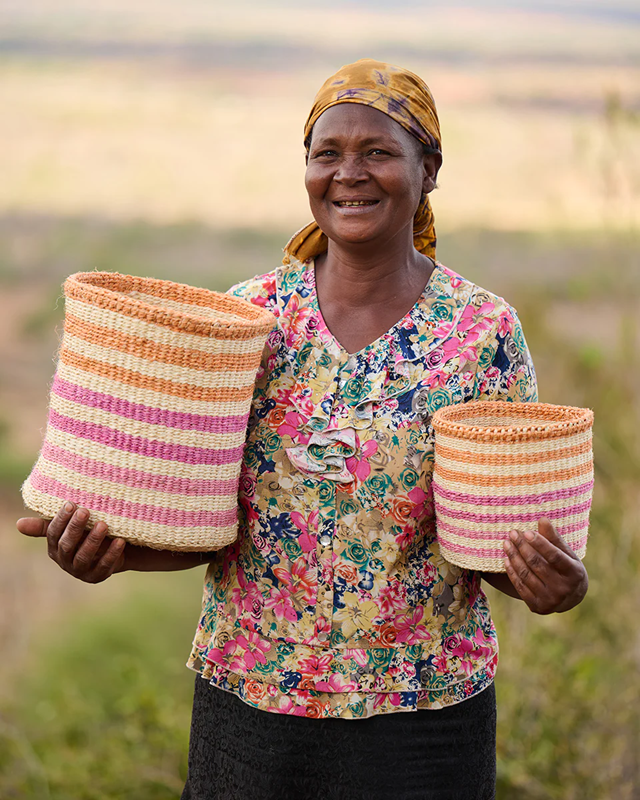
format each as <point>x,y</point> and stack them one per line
<point>89,555</point>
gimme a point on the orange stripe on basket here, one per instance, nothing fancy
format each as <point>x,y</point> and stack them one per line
<point>508,459</point>
<point>251,321</point>
<point>538,421</point>
<point>130,378</point>
<point>545,476</point>
<point>153,351</point>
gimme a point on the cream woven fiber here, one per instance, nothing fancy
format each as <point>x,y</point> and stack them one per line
<point>149,408</point>
<point>501,466</point>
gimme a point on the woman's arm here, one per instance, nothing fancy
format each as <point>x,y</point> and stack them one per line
<point>92,556</point>
<point>501,582</point>
<point>146,559</point>
<point>541,570</point>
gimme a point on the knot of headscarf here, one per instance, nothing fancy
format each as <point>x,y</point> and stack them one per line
<point>405,98</point>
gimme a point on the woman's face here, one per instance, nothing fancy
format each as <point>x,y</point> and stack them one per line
<point>365,175</point>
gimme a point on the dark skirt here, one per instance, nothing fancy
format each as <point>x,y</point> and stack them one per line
<point>238,752</point>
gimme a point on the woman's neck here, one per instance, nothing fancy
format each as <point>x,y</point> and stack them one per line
<point>362,298</point>
<point>365,275</point>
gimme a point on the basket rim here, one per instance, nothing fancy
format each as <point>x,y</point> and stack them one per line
<point>106,290</point>
<point>540,421</point>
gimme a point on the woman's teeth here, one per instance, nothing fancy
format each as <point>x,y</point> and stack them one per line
<point>348,203</point>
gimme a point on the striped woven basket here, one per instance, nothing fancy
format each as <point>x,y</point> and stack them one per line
<point>501,466</point>
<point>148,409</point>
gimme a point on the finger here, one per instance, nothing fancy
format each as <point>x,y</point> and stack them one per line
<point>533,559</point>
<point>59,523</point>
<point>106,543</point>
<point>86,556</point>
<point>526,577</point>
<point>65,547</point>
<point>523,590</point>
<point>111,561</point>
<point>32,526</point>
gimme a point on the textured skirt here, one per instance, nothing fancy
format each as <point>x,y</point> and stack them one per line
<point>238,752</point>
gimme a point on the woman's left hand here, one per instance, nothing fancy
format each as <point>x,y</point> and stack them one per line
<point>545,571</point>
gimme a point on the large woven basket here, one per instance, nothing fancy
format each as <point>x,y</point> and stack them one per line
<point>501,466</point>
<point>148,409</point>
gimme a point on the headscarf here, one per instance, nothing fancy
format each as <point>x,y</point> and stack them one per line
<point>405,98</point>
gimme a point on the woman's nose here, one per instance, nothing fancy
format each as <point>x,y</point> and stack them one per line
<point>351,169</point>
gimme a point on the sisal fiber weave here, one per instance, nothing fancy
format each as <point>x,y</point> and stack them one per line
<point>501,466</point>
<point>149,408</point>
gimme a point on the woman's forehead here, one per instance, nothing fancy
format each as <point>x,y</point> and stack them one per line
<point>357,120</point>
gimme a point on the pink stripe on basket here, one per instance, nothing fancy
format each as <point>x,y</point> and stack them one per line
<point>531,516</point>
<point>129,510</point>
<point>145,447</point>
<point>563,530</point>
<point>499,552</point>
<point>135,477</point>
<point>514,499</point>
<point>142,413</point>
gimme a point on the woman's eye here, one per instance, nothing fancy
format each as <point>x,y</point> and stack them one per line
<point>378,152</point>
<point>325,154</point>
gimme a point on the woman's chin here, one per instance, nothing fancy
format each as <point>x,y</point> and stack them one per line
<point>352,232</point>
<point>353,238</point>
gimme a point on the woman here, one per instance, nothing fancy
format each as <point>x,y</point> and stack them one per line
<point>335,602</point>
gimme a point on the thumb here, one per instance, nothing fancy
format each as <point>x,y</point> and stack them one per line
<point>546,529</point>
<point>33,526</point>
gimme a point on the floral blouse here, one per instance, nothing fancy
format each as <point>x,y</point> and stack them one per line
<point>335,600</point>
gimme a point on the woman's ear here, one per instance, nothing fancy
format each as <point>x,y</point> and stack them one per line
<point>431,163</point>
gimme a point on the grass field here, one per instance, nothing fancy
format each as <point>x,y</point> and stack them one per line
<point>164,140</point>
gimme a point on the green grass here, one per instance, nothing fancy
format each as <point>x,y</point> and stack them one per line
<point>101,708</point>
<point>568,684</point>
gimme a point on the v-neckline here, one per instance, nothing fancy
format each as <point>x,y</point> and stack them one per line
<point>326,331</point>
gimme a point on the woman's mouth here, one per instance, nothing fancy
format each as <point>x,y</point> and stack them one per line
<point>355,206</point>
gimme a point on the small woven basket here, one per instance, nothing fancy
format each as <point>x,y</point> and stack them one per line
<point>148,409</point>
<point>501,466</point>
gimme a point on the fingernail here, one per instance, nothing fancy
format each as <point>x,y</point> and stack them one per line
<point>513,535</point>
<point>529,535</point>
<point>68,507</point>
<point>83,514</point>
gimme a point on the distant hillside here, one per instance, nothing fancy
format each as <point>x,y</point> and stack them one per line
<point>621,11</point>
<point>286,33</point>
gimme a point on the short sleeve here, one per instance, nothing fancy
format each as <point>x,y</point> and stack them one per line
<point>505,368</point>
<point>261,291</point>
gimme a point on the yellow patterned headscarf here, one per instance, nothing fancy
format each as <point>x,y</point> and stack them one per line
<point>405,98</point>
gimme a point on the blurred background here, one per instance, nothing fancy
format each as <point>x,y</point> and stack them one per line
<point>164,138</point>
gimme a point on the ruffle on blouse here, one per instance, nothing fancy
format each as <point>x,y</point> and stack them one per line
<point>337,393</point>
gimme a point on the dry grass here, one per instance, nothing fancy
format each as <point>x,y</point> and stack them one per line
<point>525,147</point>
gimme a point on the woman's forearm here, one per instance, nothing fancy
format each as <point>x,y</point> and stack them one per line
<point>146,559</point>
<point>501,582</point>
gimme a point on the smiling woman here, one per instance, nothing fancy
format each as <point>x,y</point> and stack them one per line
<point>335,610</point>
<point>364,189</point>
<point>353,173</point>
